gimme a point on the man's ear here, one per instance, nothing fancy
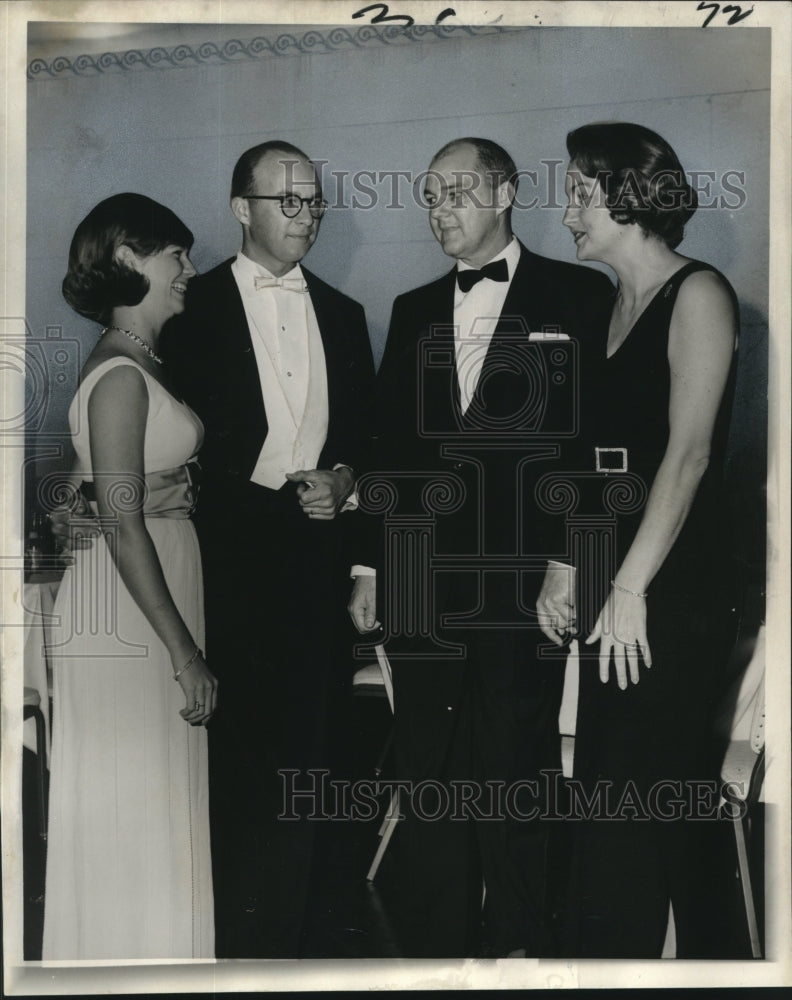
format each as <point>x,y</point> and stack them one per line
<point>241,209</point>
<point>504,196</point>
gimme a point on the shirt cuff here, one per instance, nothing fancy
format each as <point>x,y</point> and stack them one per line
<point>362,571</point>
<point>351,502</point>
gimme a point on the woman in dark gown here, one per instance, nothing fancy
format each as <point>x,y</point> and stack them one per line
<point>653,604</point>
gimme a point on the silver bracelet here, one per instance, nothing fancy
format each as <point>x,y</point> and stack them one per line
<point>624,590</point>
<point>196,653</point>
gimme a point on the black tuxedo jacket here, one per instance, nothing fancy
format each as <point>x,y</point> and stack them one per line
<point>210,352</point>
<point>524,419</point>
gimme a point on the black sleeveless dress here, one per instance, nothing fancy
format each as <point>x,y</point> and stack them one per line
<point>648,750</point>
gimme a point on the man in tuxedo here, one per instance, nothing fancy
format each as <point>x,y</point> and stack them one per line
<point>477,394</point>
<point>278,366</point>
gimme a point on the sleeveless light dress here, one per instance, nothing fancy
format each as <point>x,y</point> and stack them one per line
<point>128,863</point>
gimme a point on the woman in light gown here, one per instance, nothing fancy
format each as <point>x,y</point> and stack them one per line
<point>128,862</point>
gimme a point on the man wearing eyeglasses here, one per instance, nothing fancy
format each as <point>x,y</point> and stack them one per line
<point>278,366</point>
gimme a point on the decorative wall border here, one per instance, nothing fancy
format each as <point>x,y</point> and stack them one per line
<point>237,51</point>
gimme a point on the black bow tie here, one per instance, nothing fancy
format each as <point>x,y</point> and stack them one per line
<point>496,270</point>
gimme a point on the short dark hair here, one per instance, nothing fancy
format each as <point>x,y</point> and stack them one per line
<point>640,175</point>
<point>493,160</point>
<point>242,178</point>
<point>95,281</point>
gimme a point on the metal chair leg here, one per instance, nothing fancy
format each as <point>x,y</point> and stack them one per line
<point>747,889</point>
<point>33,712</point>
<point>385,834</point>
<point>381,759</point>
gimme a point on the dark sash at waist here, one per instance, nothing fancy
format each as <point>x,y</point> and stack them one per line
<point>167,493</point>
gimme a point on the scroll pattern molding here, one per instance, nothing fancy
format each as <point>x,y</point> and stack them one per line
<point>236,51</point>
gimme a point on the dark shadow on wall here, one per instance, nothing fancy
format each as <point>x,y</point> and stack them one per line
<point>746,458</point>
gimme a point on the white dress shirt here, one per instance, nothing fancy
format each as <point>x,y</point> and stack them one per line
<point>291,367</point>
<point>476,314</point>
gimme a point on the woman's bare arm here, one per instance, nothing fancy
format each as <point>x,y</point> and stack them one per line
<point>117,412</point>
<point>701,344</point>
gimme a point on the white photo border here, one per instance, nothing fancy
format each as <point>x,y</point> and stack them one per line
<point>36,978</point>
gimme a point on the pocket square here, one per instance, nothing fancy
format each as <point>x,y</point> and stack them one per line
<point>547,335</point>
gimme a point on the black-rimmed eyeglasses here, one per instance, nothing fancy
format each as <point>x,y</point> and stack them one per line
<point>291,204</point>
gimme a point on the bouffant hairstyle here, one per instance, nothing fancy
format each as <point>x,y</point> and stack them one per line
<point>95,282</point>
<point>242,178</point>
<point>640,175</point>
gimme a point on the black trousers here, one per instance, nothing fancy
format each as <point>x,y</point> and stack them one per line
<point>271,596</point>
<point>479,738</point>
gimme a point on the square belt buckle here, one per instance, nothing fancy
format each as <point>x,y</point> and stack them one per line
<point>610,459</point>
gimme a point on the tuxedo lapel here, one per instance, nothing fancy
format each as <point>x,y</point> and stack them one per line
<point>517,307</point>
<point>441,395</point>
<point>443,306</point>
<point>537,296</point>
<point>234,325</point>
<point>241,375</point>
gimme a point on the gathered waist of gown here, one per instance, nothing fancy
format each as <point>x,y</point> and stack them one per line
<point>167,493</point>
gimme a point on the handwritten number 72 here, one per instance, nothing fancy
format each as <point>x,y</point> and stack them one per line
<point>737,13</point>
<point>405,19</point>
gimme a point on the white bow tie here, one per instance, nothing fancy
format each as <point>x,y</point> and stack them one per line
<point>288,284</point>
